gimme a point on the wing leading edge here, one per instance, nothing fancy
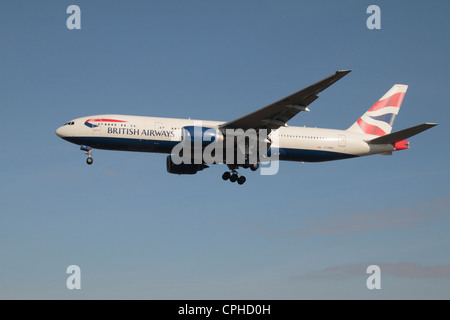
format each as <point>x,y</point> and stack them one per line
<point>277,114</point>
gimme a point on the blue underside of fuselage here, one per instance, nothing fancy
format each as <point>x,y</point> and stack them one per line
<point>162,146</point>
<point>307,155</point>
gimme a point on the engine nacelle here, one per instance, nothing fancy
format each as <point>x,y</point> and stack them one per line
<point>201,136</point>
<point>183,168</point>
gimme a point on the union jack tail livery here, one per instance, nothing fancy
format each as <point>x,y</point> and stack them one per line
<point>379,119</point>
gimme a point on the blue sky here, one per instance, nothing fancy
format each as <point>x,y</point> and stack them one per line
<point>137,232</point>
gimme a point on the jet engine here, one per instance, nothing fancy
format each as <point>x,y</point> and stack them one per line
<point>183,168</point>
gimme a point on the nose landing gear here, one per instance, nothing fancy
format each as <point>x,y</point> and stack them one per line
<point>88,150</point>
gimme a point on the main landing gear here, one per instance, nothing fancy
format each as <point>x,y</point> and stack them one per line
<point>88,150</point>
<point>233,175</point>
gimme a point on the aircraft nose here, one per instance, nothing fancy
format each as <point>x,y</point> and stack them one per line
<point>60,132</point>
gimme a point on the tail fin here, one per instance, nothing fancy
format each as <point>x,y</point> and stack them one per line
<point>379,119</point>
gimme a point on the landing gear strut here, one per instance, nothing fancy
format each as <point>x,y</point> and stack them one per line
<point>88,150</point>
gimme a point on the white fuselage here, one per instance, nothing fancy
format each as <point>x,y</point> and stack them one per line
<point>160,135</point>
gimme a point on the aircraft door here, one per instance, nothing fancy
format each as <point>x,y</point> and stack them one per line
<point>96,127</point>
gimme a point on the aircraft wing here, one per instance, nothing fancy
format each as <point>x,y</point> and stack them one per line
<point>277,114</point>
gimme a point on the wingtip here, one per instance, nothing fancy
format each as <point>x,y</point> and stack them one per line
<point>344,71</point>
<point>401,86</point>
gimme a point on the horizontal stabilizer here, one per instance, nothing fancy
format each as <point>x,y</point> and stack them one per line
<point>402,134</point>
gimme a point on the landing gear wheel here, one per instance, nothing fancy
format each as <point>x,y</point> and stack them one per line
<point>87,150</point>
<point>241,180</point>
<point>234,177</point>
<point>254,166</point>
<point>226,175</point>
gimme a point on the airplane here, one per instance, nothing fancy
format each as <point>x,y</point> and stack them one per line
<point>370,134</point>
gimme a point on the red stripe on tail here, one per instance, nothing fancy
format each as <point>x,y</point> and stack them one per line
<point>370,129</point>
<point>393,101</point>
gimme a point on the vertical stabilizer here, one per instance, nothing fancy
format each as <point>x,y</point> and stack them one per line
<point>379,119</point>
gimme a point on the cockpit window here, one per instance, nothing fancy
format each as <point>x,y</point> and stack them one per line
<point>71,123</point>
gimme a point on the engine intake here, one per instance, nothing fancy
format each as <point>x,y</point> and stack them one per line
<point>183,168</point>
